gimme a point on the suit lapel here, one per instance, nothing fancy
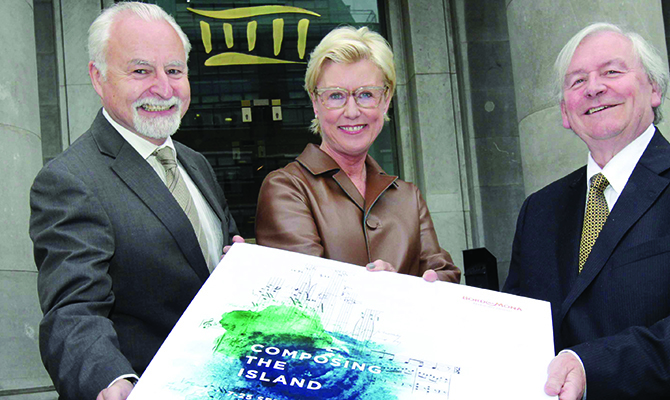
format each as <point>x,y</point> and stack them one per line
<point>644,186</point>
<point>572,218</point>
<point>138,175</point>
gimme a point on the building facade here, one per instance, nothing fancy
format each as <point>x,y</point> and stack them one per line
<point>473,121</point>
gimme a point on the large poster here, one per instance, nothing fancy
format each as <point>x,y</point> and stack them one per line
<point>274,325</point>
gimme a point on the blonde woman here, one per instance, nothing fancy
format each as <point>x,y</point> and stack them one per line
<point>335,201</point>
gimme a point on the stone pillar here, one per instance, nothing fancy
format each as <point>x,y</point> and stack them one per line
<point>21,369</point>
<point>428,116</point>
<point>489,118</point>
<point>538,30</point>
<point>79,102</point>
<point>22,374</point>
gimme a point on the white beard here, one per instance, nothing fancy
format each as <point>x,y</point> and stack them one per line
<point>157,127</point>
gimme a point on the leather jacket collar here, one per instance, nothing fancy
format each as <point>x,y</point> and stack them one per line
<point>317,162</point>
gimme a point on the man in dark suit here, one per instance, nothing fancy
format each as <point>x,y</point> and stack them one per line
<point>596,243</point>
<point>119,256</point>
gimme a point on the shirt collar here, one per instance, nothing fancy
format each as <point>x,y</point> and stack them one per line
<point>621,166</point>
<point>142,146</point>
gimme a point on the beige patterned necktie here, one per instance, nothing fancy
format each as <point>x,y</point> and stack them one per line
<point>596,215</point>
<point>177,187</point>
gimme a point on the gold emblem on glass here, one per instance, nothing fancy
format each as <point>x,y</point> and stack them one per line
<point>206,34</point>
<point>228,34</point>
<point>234,58</point>
<point>251,34</point>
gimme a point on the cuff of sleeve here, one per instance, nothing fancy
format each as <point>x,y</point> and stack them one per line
<point>581,363</point>
<point>132,378</point>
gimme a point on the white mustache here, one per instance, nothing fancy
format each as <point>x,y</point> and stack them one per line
<point>150,101</point>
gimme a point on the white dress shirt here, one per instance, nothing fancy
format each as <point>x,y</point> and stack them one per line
<point>620,167</point>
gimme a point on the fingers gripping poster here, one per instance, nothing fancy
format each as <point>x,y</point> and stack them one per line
<point>275,325</point>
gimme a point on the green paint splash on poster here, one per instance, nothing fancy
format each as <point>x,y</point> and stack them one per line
<point>274,323</point>
<point>283,352</point>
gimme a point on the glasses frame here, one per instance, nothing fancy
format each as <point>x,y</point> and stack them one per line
<point>319,92</point>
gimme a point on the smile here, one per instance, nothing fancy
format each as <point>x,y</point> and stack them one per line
<point>596,109</point>
<point>355,128</point>
<point>155,108</point>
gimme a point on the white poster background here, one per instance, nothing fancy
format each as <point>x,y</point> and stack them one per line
<point>499,344</point>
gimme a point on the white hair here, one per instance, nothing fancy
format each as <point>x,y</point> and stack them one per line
<point>649,57</point>
<point>99,32</point>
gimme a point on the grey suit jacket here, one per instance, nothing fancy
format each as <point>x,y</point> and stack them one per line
<point>616,313</point>
<point>118,259</point>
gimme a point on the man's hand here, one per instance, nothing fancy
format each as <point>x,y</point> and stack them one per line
<point>566,379</point>
<point>120,390</point>
<point>379,265</point>
<point>236,239</point>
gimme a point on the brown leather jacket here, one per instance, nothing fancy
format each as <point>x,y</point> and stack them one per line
<point>312,207</point>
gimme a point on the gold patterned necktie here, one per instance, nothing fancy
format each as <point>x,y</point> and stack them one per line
<point>596,215</point>
<point>177,187</point>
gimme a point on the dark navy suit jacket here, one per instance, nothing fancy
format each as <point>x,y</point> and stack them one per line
<point>118,259</point>
<point>616,313</point>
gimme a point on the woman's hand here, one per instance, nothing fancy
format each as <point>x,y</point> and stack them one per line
<point>380,265</point>
<point>430,275</point>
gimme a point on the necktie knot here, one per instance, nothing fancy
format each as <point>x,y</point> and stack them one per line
<point>165,156</point>
<point>599,182</point>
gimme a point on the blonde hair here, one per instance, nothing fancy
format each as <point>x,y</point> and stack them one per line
<point>347,45</point>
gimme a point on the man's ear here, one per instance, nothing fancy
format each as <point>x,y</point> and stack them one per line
<point>96,78</point>
<point>564,115</point>
<point>656,99</point>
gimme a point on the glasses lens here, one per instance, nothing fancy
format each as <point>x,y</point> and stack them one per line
<point>368,97</point>
<point>334,98</point>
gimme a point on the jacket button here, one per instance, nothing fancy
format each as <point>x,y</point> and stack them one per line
<point>373,223</point>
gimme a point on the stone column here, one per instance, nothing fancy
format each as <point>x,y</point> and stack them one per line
<point>428,116</point>
<point>538,30</point>
<point>490,126</point>
<point>20,159</point>
<point>79,101</point>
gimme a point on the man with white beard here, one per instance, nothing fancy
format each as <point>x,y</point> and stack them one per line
<point>127,224</point>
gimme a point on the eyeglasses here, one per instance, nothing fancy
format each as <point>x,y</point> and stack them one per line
<point>365,96</point>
